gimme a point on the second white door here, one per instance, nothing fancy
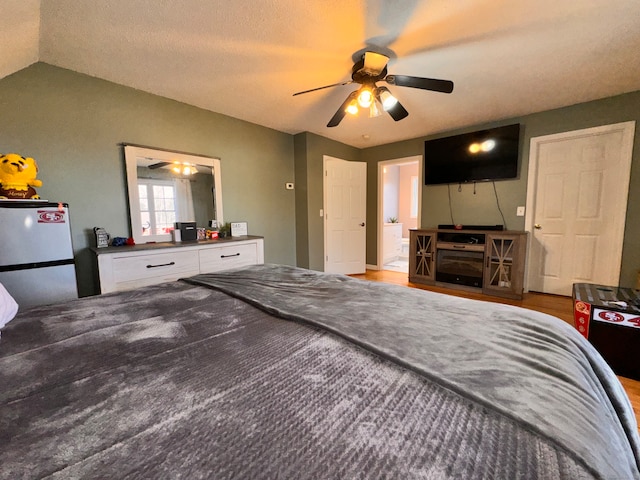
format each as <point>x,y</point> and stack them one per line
<point>578,186</point>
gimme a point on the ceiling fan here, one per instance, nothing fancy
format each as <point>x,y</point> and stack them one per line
<point>370,69</point>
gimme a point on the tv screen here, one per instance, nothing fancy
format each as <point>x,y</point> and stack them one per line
<point>473,157</point>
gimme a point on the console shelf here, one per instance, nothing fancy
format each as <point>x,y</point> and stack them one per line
<point>422,256</point>
<point>492,262</point>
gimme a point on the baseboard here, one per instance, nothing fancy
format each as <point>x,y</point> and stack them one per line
<point>371,267</point>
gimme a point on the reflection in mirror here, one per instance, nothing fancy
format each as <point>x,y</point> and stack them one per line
<point>167,187</point>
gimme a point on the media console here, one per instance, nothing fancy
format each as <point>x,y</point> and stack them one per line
<point>489,260</point>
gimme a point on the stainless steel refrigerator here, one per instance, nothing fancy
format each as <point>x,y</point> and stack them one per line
<point>36,255</point>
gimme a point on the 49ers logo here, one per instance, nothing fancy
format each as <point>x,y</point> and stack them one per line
<point>50,216</point>
<point>619,318</point>
<point>611,316</point>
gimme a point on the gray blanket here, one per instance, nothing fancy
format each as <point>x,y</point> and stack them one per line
<point>184,381</point>
<point>526,365</point>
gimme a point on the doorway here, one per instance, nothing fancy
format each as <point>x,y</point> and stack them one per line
<point>577,203</point>
<point>399,202</point>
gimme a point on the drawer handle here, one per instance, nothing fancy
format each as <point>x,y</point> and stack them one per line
<point>162,265</point>
<point>227,256</point>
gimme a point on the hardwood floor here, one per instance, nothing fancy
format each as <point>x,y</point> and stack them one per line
<point>558,306</point>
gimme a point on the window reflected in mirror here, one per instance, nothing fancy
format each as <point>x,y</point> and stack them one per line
<point>167,187</point>
<point>158,204</point>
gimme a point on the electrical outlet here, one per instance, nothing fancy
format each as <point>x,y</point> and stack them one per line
<point>520,212</point>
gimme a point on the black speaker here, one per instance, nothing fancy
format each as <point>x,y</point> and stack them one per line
<point>188,231</point>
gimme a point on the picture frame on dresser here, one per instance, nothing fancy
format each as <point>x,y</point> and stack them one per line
<point>239,229</point>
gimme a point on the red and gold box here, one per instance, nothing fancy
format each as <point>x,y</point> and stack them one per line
<point>609,317</point>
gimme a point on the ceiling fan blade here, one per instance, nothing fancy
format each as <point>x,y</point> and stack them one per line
<point>374,63</point>
<point>326,86</point>
<point>158,165</point>
<point>444,86</point>
<point>342,111</point>
<point>397,112</point>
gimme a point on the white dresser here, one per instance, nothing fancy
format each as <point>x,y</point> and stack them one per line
<point>129,267</point>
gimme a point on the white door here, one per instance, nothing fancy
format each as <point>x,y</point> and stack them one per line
<point>577,202</point>
<point>345,199</point>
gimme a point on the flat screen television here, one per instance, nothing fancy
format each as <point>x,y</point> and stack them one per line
<point>473,157</point>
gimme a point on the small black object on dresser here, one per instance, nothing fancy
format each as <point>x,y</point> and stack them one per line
<point>188,231</point>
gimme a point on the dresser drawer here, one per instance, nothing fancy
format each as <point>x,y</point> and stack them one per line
<point>163,266</point>
<point>232,256</point>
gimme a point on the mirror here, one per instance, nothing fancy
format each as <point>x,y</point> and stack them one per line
<point>167,187</point>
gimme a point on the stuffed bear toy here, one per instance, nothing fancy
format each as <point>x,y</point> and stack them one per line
<point>18,177</point>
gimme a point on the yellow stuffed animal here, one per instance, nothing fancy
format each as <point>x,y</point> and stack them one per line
<point>18,177</point>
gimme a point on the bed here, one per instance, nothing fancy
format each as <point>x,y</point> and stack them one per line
<point>278,372</point>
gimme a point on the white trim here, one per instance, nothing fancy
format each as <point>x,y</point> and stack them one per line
<point>380,213</point>
<point>415,189</point>
<point>325,158</point>
<point>626,151</point>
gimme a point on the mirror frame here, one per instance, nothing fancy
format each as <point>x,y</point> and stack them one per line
<point>133,152</point>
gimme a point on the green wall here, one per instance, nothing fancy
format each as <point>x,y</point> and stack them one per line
<point>72,125</point>
<point>480,208</point>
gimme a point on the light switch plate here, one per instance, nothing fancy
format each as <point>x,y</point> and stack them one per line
<point>289,186</point>
<point>520,212</point>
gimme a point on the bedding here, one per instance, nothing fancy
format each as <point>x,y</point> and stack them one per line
<point>279,372</point>
<point>8,307</point>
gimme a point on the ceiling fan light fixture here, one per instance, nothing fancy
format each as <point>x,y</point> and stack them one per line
<point>374,63</point>
<point>386,98</point>
<point>365,97</point>
<point>184,169</point>
<point>352,108</point>
<point>374,111</point>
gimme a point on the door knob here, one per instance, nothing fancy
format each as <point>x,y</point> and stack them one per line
<point>362,224</point>
<point>537,226</point>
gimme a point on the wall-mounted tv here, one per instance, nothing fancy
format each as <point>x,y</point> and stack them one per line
<point>473,157</point>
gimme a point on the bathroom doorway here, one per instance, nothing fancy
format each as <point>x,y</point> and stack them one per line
<point>399,200</point>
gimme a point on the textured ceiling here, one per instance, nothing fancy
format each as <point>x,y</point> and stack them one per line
<point>246,58</point>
